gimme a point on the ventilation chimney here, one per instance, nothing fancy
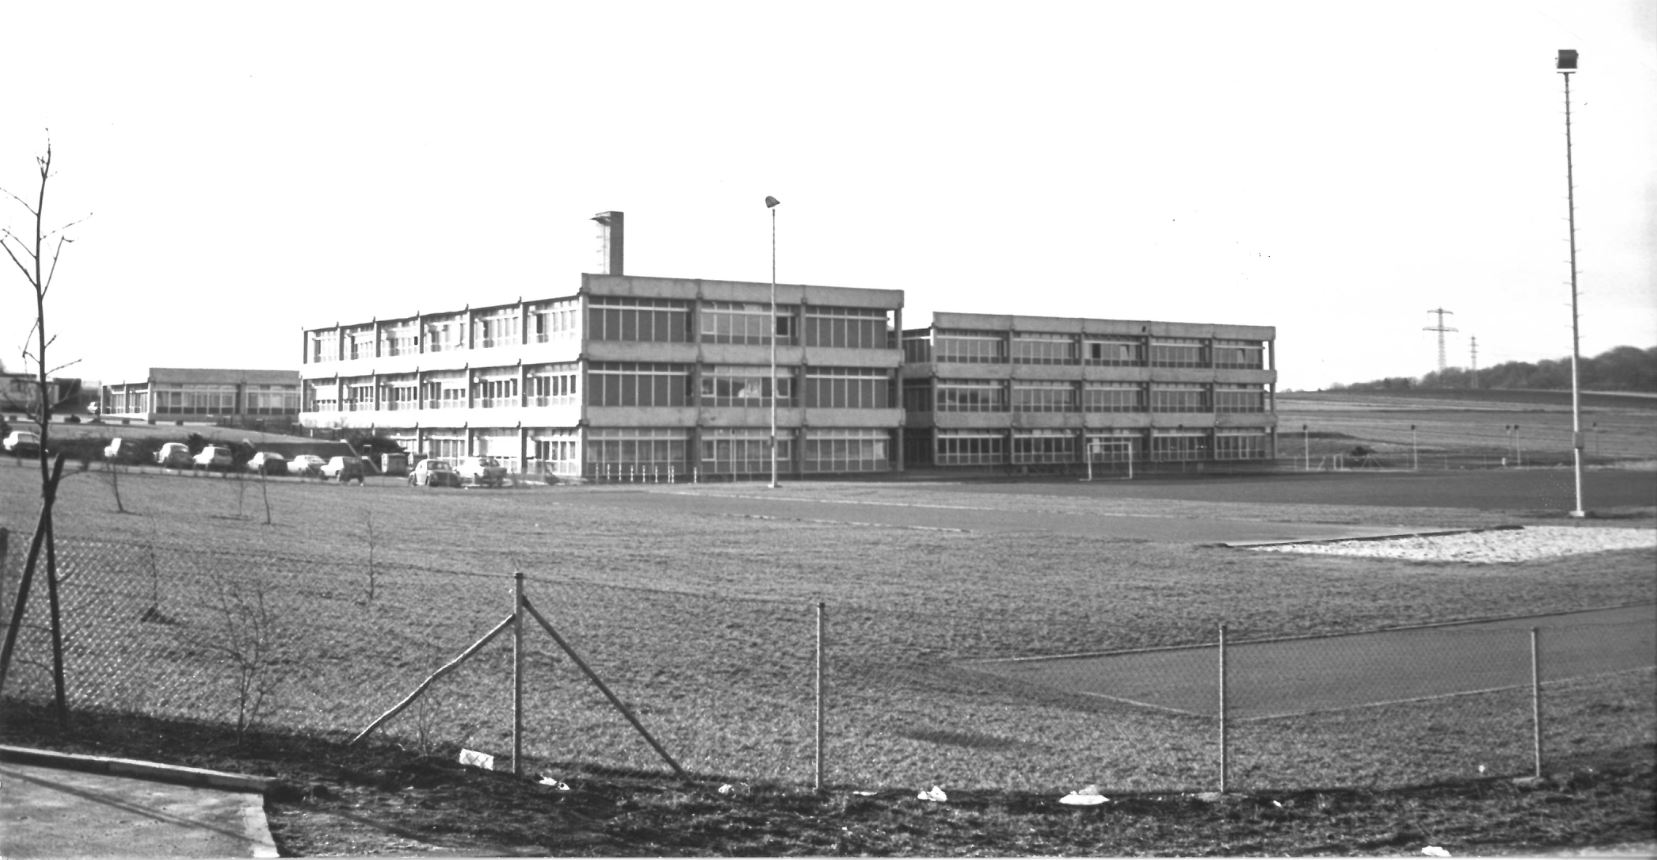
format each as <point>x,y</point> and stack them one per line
<point>610,230</point>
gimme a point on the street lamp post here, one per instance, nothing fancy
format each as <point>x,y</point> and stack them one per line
<point>771,204</point>
<point>1415,456</point>
<point>1566,67</point>
<point>1305,449</point>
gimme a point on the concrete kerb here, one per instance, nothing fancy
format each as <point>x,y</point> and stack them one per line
<point>139,769</point>
<point>1247,544</point>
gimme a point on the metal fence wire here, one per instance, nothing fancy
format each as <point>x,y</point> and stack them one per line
<point>730,687</point>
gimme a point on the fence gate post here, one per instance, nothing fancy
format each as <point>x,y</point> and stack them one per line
<point>1536,700</point>
<point>517,673</point>
<point>1223,745</point>
<point>817,777</point>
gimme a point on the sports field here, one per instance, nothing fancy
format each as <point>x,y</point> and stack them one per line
<point>696,604</point>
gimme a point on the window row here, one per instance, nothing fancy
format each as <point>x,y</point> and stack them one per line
<point>995,347</point>
<point>988,448</point>
<point>1062,396</point>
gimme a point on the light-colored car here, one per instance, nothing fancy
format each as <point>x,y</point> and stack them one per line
<point>215,457</point>
<point>267,463</point>
<point>22,443</point>
<point>173,455</point>
<point>480,472</point>
<point>344,469</point>
<point>433,472</point>
<point>121,451</point>
<point>305,465</point>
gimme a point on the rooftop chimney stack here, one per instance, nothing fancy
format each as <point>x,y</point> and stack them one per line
<point>610,230</point>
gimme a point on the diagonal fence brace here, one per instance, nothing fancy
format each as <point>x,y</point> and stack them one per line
<point>447,668</point>
<point>593,676</point>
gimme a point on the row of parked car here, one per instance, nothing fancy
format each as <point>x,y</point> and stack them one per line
<point>480,471</point>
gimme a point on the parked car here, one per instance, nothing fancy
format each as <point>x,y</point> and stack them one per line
<point>433,472</point>
<point>305,465</point>
<point>121,450</point>
<point>344,468</point>
<point>480,472</point>
<point>267,463</point>
<point>173,455</point>
<point>22,443</point>
<point>215,457</point>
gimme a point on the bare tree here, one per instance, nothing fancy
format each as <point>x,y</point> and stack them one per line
<point>36,256</point>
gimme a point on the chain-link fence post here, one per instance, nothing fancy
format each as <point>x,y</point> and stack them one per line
<point>817,775</point>
<point>1536,700</point>
<point>1223,745</point>
<point>517,673</point>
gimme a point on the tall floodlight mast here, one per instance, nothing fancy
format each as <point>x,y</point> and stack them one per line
<point>1566,67</point>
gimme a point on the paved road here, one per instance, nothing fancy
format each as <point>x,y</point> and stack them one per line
<point>1296,676</point>
<point>55,811</point>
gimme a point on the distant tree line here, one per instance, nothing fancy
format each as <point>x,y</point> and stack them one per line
<point>1624,368</point>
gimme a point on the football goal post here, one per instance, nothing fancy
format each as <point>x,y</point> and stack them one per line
<point>1109,451</point>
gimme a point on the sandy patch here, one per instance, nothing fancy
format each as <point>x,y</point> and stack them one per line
<point>1496,546</point>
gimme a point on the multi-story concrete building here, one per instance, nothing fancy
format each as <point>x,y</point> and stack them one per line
<point>630,378</point>
<point>1050,394</point>
<point>205,395</point>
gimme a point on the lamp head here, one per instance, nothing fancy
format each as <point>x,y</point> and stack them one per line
<point>1567,61</point>
<point>771,202</point>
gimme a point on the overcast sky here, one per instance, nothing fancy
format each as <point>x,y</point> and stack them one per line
<point>1335,170</point>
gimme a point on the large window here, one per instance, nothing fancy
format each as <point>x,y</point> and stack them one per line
<point>742,451</point>
<point>399,393</point>
<point>399,338</point>
<point>272,399</point>
<point>1044,446</point>
<point>319,397</point>
<point>917,349</point>
<point>848,328</point>
<point>1179,445</point>
<point>359,395</point>
<point>917,395</point>
<point>554,320</point>
<point>846,450</point>
<point>1239,398</point>
<point>628,383</point>
<point>1043,348</point>
<point>1179,397</point>
<point>1173,352</point>
<point>1240,444</point>
<point>745,322</point>
<point>1127,352</point>
<point>1113,397</point>
<point>971,448</point>
<point>495,389</point>
<point>734,385</point>
<point>556,451</point>
<point>324,346</point>
<point>637,453</point>
<point>359,342</point>
<point>552,385</point>
<point>443,334</point>
<point>496,328</point>
<point>970,346</point>
<point>1245,354</point>
<point>971,395</point>
<point>847,388</point>
<point>641,320</point>
<point>446,390</point>
<point>1036,395</point>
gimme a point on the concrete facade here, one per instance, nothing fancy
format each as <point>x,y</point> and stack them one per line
<point>629,378</point>
<point>1066,394</point>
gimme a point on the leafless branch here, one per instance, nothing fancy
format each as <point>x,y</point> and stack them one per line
<point>20,267</point>
<point>20,200</point>
<point>52,270</point>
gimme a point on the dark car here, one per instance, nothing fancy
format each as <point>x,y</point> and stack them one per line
<point>434,472</point>
<point>344,468</point>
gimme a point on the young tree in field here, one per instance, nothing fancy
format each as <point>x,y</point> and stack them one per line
<point>36,255</point>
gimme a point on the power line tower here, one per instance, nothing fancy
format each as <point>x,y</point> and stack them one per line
<point>1441,330</point>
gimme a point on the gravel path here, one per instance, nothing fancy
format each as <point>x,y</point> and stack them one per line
<point>1496,546</point>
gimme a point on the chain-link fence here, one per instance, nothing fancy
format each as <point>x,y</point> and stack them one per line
<point>731,687</point>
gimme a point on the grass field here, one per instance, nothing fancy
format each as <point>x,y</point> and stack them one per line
<point>702,621</point>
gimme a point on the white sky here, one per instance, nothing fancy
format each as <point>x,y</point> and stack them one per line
<point>1332,169</point>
